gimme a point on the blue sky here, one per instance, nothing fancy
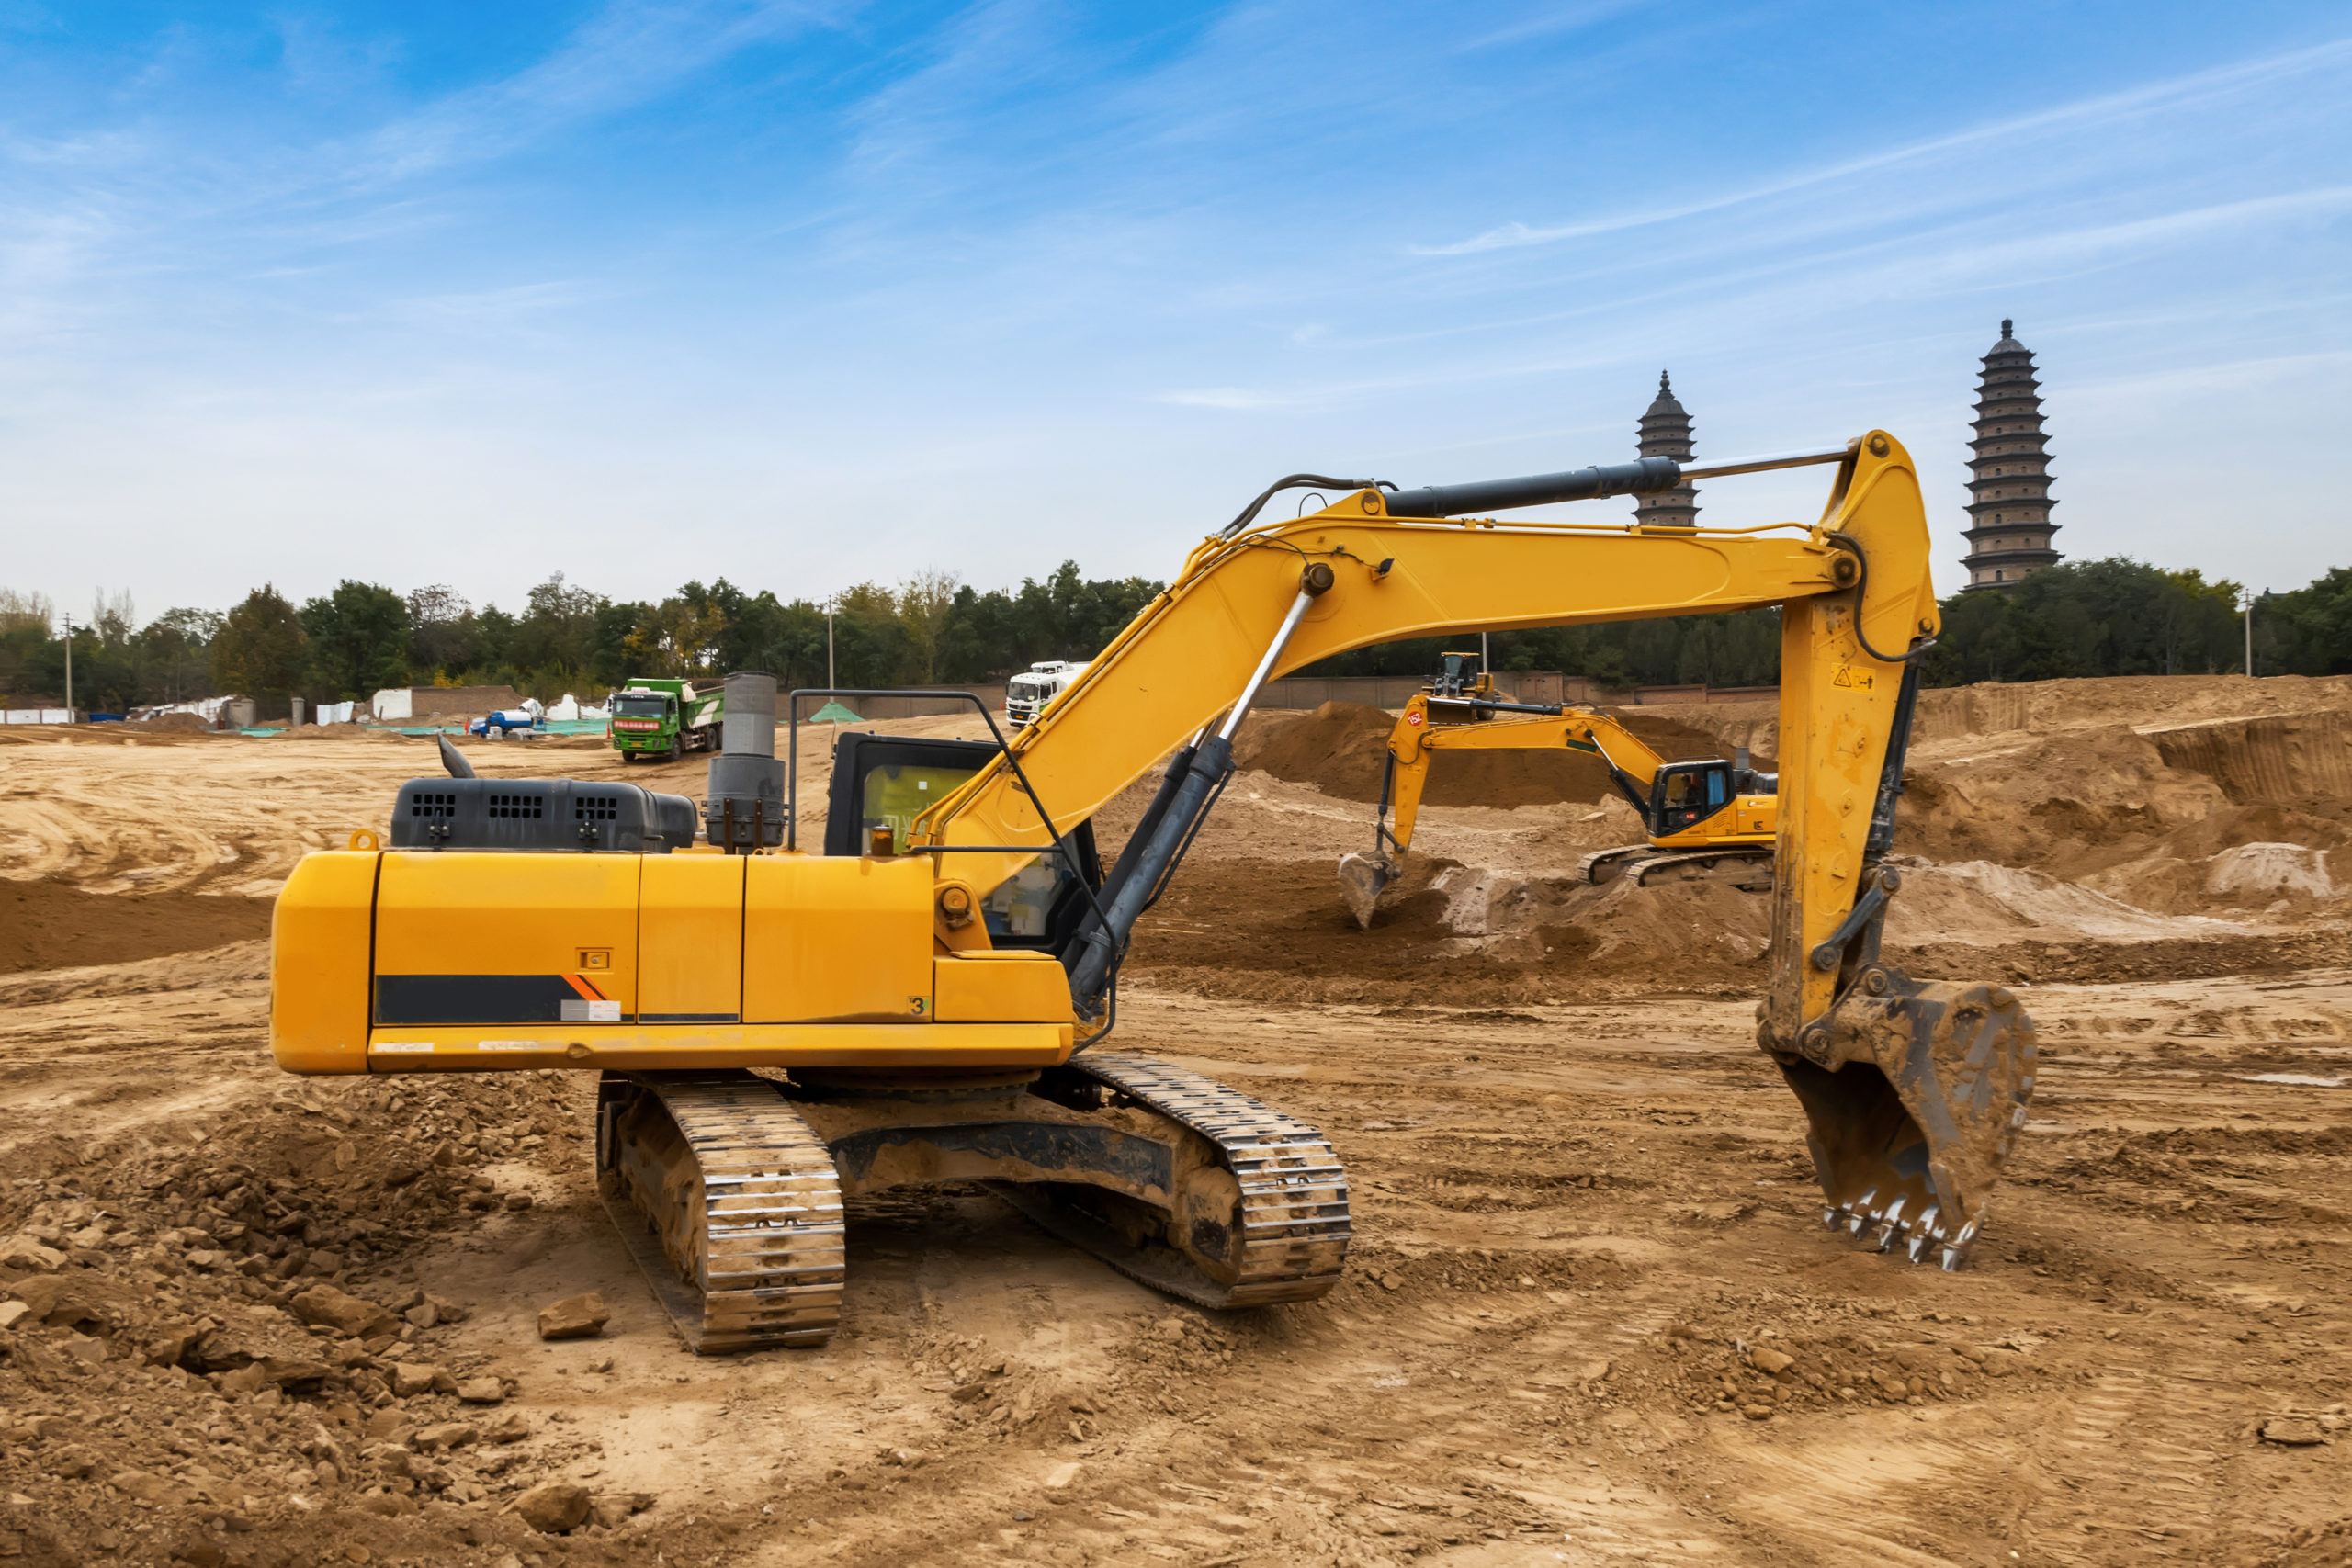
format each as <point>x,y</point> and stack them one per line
<point>806,295</point>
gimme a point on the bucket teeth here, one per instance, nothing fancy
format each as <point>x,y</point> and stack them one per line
<point>1925,1232</point>
<point>1915,1104</point>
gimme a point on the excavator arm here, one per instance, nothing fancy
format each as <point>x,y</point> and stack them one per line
<point>1914,1090</point>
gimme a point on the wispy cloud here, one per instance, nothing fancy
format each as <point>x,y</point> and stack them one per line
<point>724,261</point>
<point>1239,398</point>
<point>2088,114</point>
<point>1553,21</point>
<point>625,56</point>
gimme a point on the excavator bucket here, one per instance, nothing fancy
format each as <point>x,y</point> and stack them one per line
<point>1363,879</point>
<point>1913,1110</point>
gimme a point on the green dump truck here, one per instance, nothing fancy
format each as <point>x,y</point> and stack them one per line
<point>664,719</point>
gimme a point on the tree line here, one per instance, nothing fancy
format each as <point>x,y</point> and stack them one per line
<point>363,637</point>
<point>2114,616</point>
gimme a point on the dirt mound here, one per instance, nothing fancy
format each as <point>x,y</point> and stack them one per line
<point>2145,816</point>
<point>1997,707</point>
<point>2277,761</point>
<point>44,925</point>
<point>171,723</point>
<point>354,732</point>
<point>1342,750</point>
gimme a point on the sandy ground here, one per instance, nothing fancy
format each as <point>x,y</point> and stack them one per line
<point>1586,1229</point>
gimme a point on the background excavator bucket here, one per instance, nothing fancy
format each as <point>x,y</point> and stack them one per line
<point>1915,1111</point>
<point>1363,879</point>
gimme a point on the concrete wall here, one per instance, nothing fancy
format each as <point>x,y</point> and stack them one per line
<point>450,702</point>
<point>947,702</point>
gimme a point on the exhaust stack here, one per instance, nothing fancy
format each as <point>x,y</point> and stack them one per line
<point>743,812</point>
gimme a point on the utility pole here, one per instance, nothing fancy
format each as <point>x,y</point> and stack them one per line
<point>2249,632</point>
<point>828,643</point>
<point>69,669</point>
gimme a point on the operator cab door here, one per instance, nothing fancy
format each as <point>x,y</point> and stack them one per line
<point>1687,793</point>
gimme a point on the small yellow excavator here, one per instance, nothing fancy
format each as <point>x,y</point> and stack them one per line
<point>927,994</point>
<point>1702,817</point>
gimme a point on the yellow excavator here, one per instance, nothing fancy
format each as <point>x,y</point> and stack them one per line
<point>927,995</point>
<point>1703,817</point>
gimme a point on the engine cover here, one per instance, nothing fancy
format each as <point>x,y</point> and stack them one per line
<point>539,816</point>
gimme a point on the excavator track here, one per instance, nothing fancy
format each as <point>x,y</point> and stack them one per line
<point>1293,1222</point>
<point>1644,863</point>
<point>730,1203</point>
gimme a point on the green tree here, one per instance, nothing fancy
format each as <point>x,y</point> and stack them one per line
<point>2113,616</point>
<point>556,640</point>
<point>2307,632</point>
<point>261,649</point>
<point>440,629</point>
<point>926,601</point>
<point>175,651</point>
<point>358,638</point>
<point>28,636</point>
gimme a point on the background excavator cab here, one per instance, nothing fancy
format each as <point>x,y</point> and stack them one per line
<point>1686,793</point>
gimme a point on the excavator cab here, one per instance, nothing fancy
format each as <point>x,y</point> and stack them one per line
<point>881,783</point>
<point>1687,793</point>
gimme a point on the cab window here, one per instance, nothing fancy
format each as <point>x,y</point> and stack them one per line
<point>1691,795</point>
<point>897,793</point>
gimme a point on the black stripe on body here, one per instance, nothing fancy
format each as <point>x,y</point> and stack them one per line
<point>471,999</point>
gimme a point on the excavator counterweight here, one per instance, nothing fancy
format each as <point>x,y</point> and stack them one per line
<point>923,996</point>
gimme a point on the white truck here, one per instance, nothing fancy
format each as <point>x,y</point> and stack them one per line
<point>1026,695</point>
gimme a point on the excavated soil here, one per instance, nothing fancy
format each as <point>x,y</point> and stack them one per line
<point>48,925</point>
<point>1585,1224</point>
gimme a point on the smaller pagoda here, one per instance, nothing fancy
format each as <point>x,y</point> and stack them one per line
<point>1665,432</point>
<point>2009,509</point>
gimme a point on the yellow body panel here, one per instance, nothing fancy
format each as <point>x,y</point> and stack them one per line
<point>836,939</point>
<point>633,1049</point>
<point>984,987</point>
<point>318,979</point>
<point>522,915</point>
<point>690,939</point>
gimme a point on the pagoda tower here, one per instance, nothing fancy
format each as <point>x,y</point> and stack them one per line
<point>1665,432</point>
<point>2009,510</point>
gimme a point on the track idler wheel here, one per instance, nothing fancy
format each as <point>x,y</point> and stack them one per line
<point>1915,1094</point>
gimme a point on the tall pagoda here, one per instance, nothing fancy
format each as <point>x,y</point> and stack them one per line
<point>1665,432</point>
<point>2008,511</point>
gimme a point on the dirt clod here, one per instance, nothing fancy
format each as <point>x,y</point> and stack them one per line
<point>554,1508</point>
<point>347,1315</point>
<point>575,1317</point>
